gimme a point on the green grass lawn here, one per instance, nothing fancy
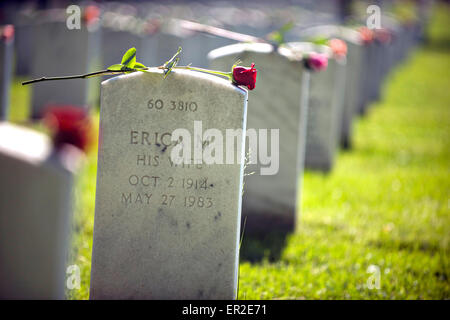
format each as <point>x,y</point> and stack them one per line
<point>385,204</point>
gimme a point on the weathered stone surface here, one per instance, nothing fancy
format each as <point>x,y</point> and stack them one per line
<point>165,231</point>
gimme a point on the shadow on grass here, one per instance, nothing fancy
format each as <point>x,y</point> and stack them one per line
<point>263,246</point>
<point>410,246</point>
<point>438,45</point>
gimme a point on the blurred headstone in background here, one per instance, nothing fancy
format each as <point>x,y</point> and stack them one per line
<point>366,37</point>
<point>390,35</point>
<point>170,37</point>
<point>325,102</point>
<point>278,102</point>
<point>59,51</point>
<point>376,64</point>
<point>6,61</point>
<point>121,32</point>
<point>35,214</point>
<point>353,77</point>
<point>23,43</point>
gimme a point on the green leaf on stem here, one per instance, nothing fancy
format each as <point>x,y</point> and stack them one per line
<point>139,65</point>
<point>277,36</point>
<point>115,67</point>
<point>129,58</point>
<point>319,40</point>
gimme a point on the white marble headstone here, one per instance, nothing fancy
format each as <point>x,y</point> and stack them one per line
<point>59,51</point>
<point>277,103</point>
<point>23,44</point>
<point>6,62</point>
<point>35,214</point>
<point>165,231</point>
<point>326,97</point>
<point>354,75</point>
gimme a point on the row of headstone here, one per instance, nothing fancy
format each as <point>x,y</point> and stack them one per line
<point>165,230</point>
<point>354,76</point>
<point>333,98</point>
<point>156,40</point>
<point>286,93</point>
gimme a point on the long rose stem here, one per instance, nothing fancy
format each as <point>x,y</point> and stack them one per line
<point>225,74</point>
<point>81,76</point>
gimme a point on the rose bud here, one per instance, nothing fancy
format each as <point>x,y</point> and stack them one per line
<point>316,61</point>
<point>91,14</point>
<point>69,125</point>
<point>366,35</point>
<point>243,76</point>
<point>7,33</point>
<point>339,47</point>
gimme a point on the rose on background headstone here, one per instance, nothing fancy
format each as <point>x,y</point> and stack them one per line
<point>91,14</point>
<point>366,35</point>
<point>339,47</point>
<point>7,32</point>
<point>316,61</point>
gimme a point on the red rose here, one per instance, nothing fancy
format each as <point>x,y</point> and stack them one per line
<point>91,14</point>
<point>7,32</point>
<point>245,76</point>
<point>316,61</point>
<point>339,47</point>
<point>366,35</point>
<point>69,125</point>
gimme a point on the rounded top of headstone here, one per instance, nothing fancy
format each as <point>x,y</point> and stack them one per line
<point>308,47</point>
<point>35,148</point>
<point>391,23</point>
<point>344,33</point>
<point>175,27</point>
<point>254,47</point>
<point>23,143</point>
<point>238,48</point>
<point>174,80</point>
<point>122,22</point>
